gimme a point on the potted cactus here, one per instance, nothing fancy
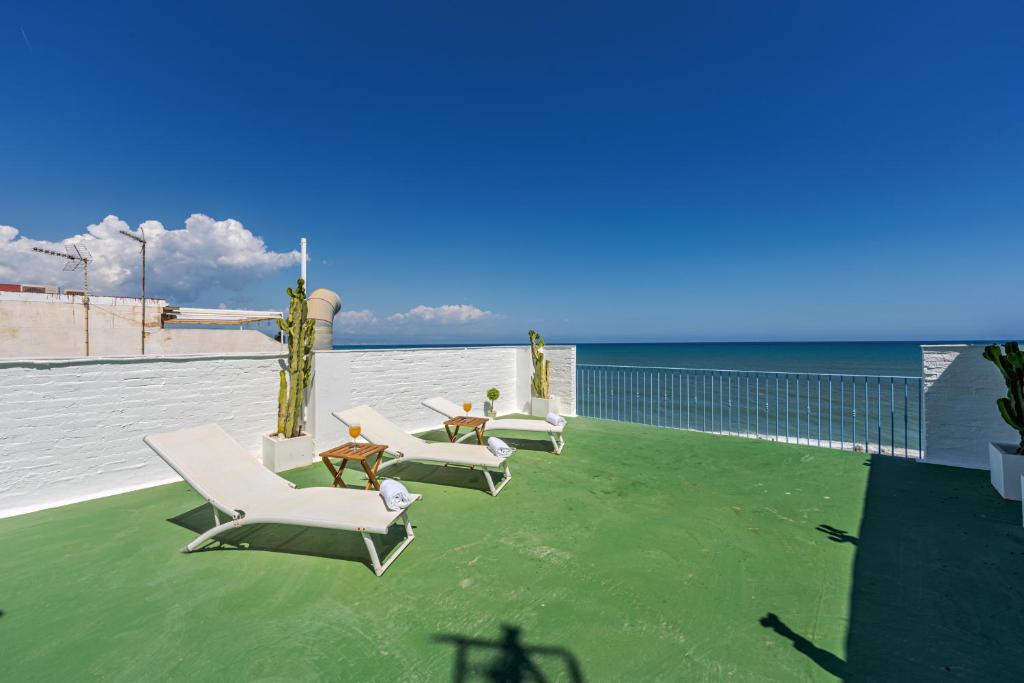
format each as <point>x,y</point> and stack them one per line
<point>541,400</point>
<point>289,446</point>
<point>492,396</point>
<point>1006,461</point>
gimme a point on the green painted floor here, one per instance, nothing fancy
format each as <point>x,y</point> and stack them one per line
<point>637,554</point>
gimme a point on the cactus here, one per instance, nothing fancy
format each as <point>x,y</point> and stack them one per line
<point>298,375</point>
<point>539,383</point>
<point>1012,366</point>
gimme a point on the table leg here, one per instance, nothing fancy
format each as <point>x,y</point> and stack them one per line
<point>451,434</point>
<point>371,474</point>
<point>480,435</point>
<point>336,474</point>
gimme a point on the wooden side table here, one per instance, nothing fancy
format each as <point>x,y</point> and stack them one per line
<point>357,452</point>
<point>453,425</point>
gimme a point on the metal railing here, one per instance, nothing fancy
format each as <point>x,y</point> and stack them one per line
<point>868,413</point>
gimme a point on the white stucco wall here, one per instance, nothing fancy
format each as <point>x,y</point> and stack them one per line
<point>562,375</point>
<point>396,381</point>
<point>72,429</point>
<point>961,418</point>
<point>53,326</point>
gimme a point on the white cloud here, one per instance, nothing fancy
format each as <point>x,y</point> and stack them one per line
<point>181,263</point>
<point>347,318</point>
<point>447,314</point>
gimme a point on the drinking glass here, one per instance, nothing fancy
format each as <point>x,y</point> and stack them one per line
<point>354,430</point>
<point>467,406</point>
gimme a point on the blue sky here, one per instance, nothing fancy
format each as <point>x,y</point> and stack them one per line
<point>630,171</point>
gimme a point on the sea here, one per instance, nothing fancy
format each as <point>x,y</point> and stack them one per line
<point>849,358</point>
<point>852,395</point>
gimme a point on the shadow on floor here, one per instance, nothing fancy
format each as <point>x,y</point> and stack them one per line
<point>823,658</point>
<point>938,581</point>
<point>539,444</point>
<point>837,535</point>
<point>334,544</point>
<point>509,660</point>
<point>460,477</point>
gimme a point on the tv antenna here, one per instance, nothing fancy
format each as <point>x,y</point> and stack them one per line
<point>142,241</point>
<point>78,258</point>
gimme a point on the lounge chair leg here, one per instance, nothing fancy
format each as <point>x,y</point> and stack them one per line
<point>378,567</point>
<point>490,482</point>
<point>388,463</point>
<point>505,479</point>
<point>558,442</point>
<point>206,536</point>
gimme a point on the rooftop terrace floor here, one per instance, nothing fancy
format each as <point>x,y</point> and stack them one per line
<point>639,553</point>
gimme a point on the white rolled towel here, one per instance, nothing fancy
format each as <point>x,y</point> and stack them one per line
<point>555,419</point>
<point>396,496</point>
<point>499,447</point>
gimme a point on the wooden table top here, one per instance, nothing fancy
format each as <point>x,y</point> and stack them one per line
<point>351,450</point>
<point>466,421</point>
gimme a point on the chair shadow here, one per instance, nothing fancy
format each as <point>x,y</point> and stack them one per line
<point>836,535</point>
<point>459,477</point>
<point>823,658</point>
<point>508,659</point>
<point>539,444</point>
<point>335,544</point>
<point>526,444</point>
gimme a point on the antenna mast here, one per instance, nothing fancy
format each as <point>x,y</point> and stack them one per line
<point>142,241</point>
<point>78,257</point>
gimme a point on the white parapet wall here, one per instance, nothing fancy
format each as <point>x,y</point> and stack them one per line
<point>396,381</point>
<point>72,429</point>
<point>961,418</point>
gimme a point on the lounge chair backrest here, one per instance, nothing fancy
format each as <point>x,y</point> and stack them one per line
<point>217,467</point>
<point>443,406</point>
<point>378,429</point>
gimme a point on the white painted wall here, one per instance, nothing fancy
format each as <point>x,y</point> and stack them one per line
<point>53,326</point>
<point>72,429</point>
<point>396,381</point>
<point>562,375</point>
<point>961,418</point>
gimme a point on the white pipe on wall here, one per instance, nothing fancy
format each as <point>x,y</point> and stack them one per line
<point>302,267</point>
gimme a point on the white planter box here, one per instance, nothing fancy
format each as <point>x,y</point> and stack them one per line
<point>540,407</point>
<point>280,454</point>
<point>1006,468</point>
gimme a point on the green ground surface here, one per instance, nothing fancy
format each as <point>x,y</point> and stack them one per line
<point>637,554</point>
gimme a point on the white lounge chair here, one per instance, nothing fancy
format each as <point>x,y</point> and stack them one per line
<point>237,485</point>
<point>450,409</point>
<point>405,447</point>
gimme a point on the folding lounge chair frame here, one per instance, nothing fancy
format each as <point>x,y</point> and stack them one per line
<point>239,518</point>
<point>506,473</point>
<point>401,455</point>
<point>449,409</point>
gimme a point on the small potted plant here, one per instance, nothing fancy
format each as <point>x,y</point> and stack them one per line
<point>492,396</point>
<point>289,446</point>
<point>1006,461</point>
<point>541,400</point>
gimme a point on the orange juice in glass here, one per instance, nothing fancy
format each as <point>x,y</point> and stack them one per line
<point>354,430</point>
<point>467,406</point>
